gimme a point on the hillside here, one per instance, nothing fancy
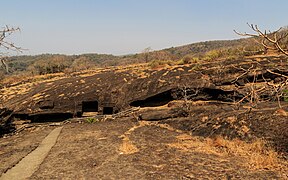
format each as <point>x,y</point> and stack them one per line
<point>112,90</point>
<point>209,50</point>
<point>203,47</point>
<point>85,61</point>
<point>204,110</point>
<point>204,119</point>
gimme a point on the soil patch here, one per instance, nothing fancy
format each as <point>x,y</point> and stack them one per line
<point>86,151</point>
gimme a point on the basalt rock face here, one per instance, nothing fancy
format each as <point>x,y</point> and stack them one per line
<point>111,90</point>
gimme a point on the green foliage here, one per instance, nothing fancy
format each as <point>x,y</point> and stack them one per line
<point>91,120</point>
<point>160,63</point>
<point>180,62</point>
<point>285,95</point>
<point>195,60</point>
<point>224,53</point>
<point>197,67</point>
<point>212,55</point>
<point>189,59</point>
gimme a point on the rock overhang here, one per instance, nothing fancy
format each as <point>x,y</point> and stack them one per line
<point>120,88</point>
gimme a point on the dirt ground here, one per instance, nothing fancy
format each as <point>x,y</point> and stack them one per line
<point>125,149</point>
<point>14,148</point>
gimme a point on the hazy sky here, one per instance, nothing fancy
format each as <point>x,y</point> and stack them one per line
<point>129,26</point>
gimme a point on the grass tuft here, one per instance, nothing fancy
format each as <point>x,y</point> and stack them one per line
<point>91,120</point>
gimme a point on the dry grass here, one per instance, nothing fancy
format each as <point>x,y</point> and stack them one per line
<point>189,143</point>
<point>182,103</point>
<point>127,146</point>
<point>26,78</point>
<point>257,154</point>
<point>254,155</point>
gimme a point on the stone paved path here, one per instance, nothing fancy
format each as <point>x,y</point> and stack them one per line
<point>29,164</point>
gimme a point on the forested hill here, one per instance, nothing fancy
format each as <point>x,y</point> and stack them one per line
<point>52,63</point>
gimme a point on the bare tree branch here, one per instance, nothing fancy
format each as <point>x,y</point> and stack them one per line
<point>6,45</point>
<point>269,40</point>
<point>146,53</point>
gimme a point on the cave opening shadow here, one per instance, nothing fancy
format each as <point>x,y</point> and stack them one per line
<point>50,117</point>
<point>154,101</point>
<point>108,110</point>
<point>90,106</point>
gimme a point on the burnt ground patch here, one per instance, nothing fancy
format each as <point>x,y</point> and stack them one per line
<point>6,128</point>
<point>224,120</point>
<point>6,125</point>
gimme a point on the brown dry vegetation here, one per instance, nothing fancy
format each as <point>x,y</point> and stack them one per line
<point>206,51</point>
<point>257,154</point>
<point>123,148</point>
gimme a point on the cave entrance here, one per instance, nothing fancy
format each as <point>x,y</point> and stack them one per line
<point>208,94</point>
<point>50,117</point>
<point>108,110</point>
<point>154,101</point>
<point>21,116</point>
<point>90,106</point>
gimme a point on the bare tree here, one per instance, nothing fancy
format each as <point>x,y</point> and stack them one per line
<point>270,90</point>
<point>145,53</point>
<point>274,41</point>
<point>6,46</point>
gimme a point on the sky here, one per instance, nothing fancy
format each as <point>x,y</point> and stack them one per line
<point>122,27</point>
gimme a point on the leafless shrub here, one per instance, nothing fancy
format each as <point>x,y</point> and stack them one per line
<point>275,41</point>
<point>6,46</point>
